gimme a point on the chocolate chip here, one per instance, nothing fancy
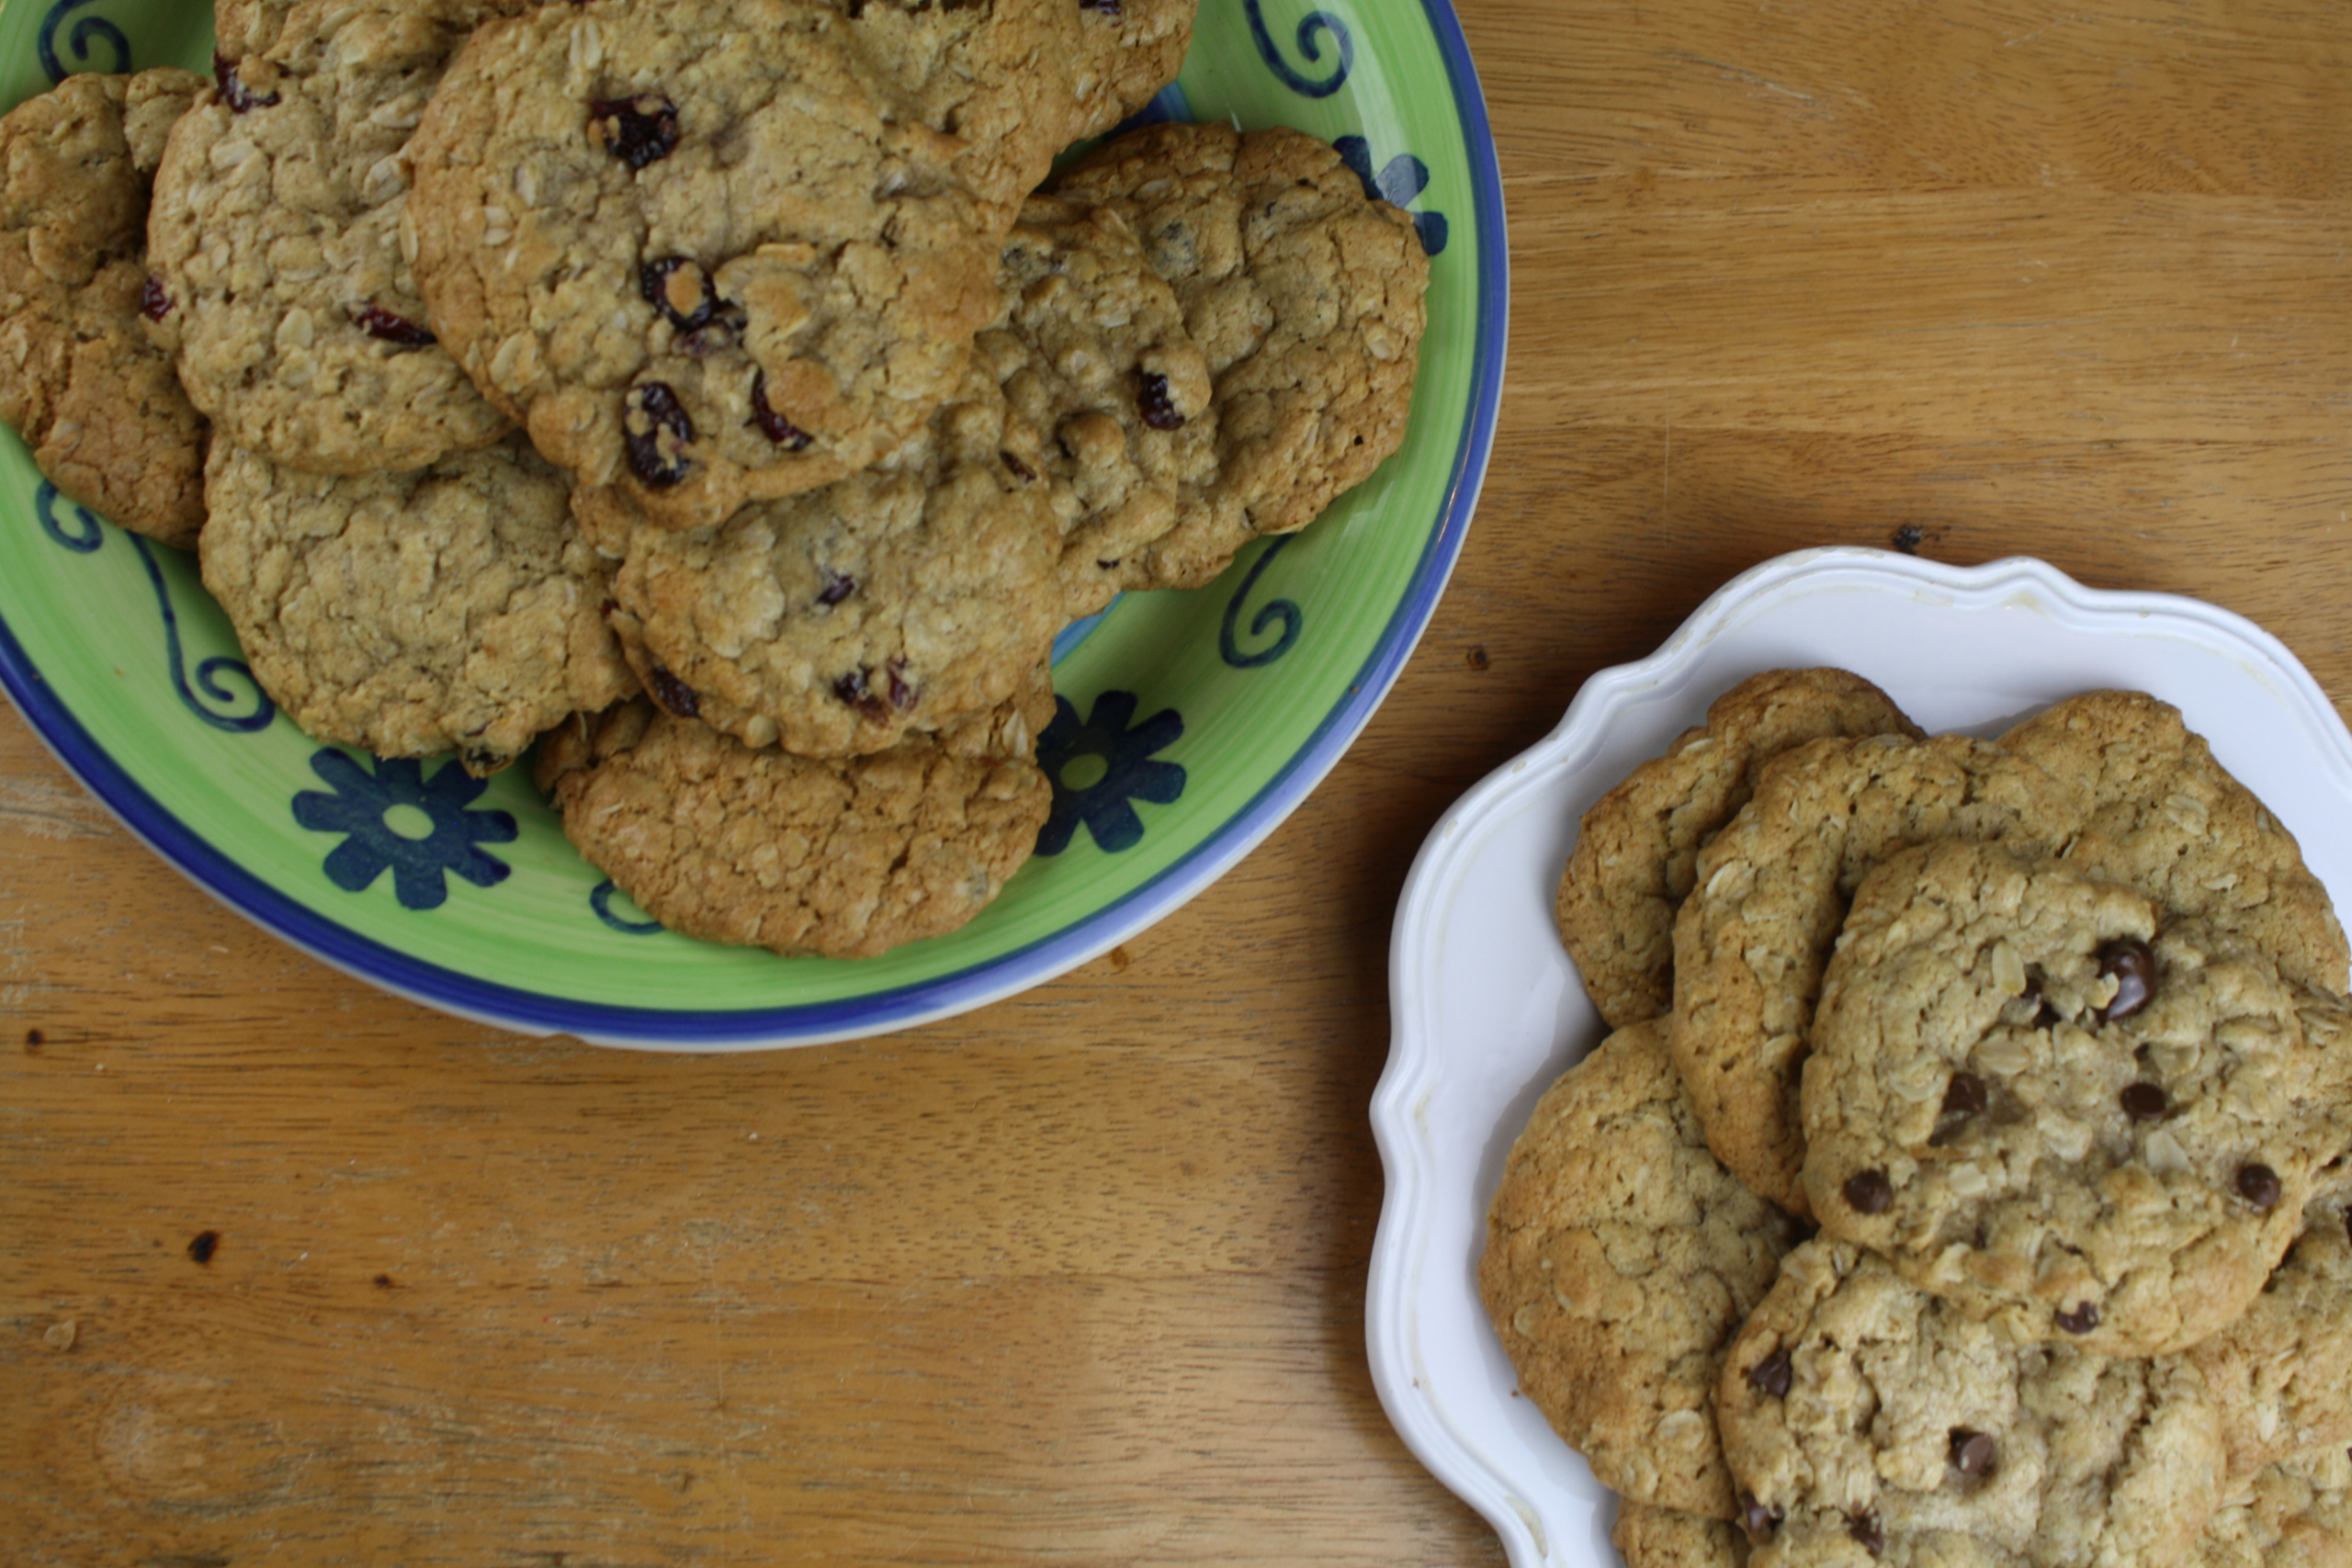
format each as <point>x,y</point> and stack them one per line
<point>774,425</point>
<point>681,291</point>
<point>658,432</point>
<point>1021,470</point>
<point>2133,965</point>
<point>1870,1193</point>
<point>1972,1452</point>
<point>833,586</point>
<point>2145,1101</point>
<point>672,693</point>
<point>638,131</point>
<point>854,690</point>
<point>2258,1185</point>
<point>1864,1529</point>
<point>2082,1320</point>
<point>1759,1520</point>
<point>153,303</point>
<point>234,92</point>
<point>1771,1375</point>
<point>1964,1095</point>
<point>2044,1015</point>
<point>378,322</point>
<point>1159,410</point>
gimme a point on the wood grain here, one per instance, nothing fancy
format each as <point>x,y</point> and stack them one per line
<point>1079,1277</point>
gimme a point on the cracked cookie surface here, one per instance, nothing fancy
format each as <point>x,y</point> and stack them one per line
<point>2044,1097</point>
<point>1619,1257</point>
<point>1867,1423</point>
<point>451,607</point>
<point>1637,847</point>
<point>288,305</point>
<point>98,404</point>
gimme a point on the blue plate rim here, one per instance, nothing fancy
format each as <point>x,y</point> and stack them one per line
<point>939,996</point>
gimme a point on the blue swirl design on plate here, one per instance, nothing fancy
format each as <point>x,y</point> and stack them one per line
<point>82,538</point>
<point>361,808</point>
<point>207,670</point>
<point>1282,610</point>
<point>1309,25</point>
<point>1399,183</point>
<point>600,900</point>
<point>84,31</point>
<point>1129,772</point>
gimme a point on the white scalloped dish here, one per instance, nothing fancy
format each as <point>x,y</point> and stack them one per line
<point>1488,1009</point>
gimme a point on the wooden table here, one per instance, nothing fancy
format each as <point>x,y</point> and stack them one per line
<point>1081,1275</point>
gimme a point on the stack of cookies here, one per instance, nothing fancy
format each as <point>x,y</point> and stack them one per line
<point>704,386</point>
<point>1967,1178</point>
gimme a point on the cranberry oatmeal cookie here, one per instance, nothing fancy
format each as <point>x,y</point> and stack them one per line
<point>704,272</point>
<point>99,405</point>
<point>453,606</point>
<point>280,287</point>
<point>1637,847</point>
<point>1306,294</point>
<point>844,858</point>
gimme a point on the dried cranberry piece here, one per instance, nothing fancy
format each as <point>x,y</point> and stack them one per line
<point>903,692</point>
<point>1153,403</point>
<point>378,322</point>
<point>672,693</point>
<point>2133,965</point>
<point>650,414</point>
<point>854,690</point>
<point>640,131</point>
<point>774,425</point>
<point>240,98</point>
<point>833,586</point>
<point>681,291</point>
<point>1021,470</point>
<point>153,303</point>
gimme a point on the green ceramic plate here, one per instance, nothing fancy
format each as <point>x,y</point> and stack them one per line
<point>1190,724</point>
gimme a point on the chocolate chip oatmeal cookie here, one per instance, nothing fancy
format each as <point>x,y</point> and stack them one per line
<point>2044,1097</point>
<point>99,405</point>
<point>1637,847</point>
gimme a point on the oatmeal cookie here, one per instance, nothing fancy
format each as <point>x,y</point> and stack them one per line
<point>1619,1257</point>
<point>837,621</point>
<point>705,250</point>
<point>1635,849</point>
<point>1306,294</point>
<point>2041,1097</point>
<point>2296,1512</point>
<point>1769,893</point>
<point>1866,1423</point>
<point>1647,1536</point>
<point>99,406</point>
<point>281,287</point>
<point>451,607</point>
<point>2168,819</point>
<point>1106,384</point>
<point>2282,1374</point>
<point>756,847</point>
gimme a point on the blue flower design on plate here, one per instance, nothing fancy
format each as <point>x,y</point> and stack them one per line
<point>1099,766</point>
<point>1399,183</point>
<point>86,31</point>
<point>392,816</point>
